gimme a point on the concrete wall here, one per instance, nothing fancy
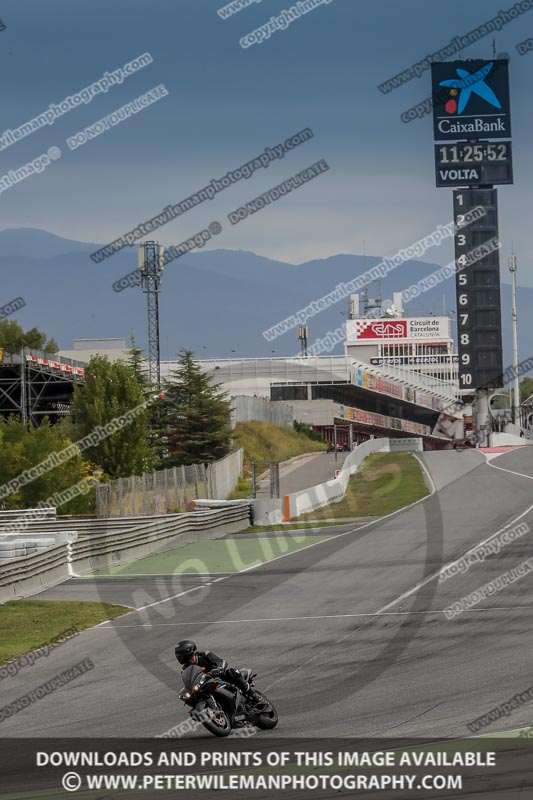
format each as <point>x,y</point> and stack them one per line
<point>268,512</point>
<point>362,352</point>
<point>248,409</point>
<point>508,440</point>
<point>314,412</point>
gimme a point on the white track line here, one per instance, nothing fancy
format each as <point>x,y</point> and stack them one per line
<point>403,596</point>
<point>431,577</point>
<point>428,474</point>
<point>382,610</point>
<point>155,575</point>
<point>503,469</point>
<point>323,616</point>
<point>406,594</point>
<point>277,558</point>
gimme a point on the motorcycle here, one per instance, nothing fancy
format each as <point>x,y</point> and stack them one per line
<point>220,706</point>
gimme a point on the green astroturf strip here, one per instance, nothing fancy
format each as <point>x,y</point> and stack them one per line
<point>217,555</point>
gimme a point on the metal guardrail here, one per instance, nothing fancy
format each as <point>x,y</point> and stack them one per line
<point>118,536</point>
<point>97,544</point>
<point>36,513</point>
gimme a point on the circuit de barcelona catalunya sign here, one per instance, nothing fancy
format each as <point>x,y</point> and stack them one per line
<point>430,328</point>
<point>471,99</point>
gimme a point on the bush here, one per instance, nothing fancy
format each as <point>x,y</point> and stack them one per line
<point>301,427</point>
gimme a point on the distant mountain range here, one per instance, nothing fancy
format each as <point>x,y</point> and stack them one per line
<point>217,303</point>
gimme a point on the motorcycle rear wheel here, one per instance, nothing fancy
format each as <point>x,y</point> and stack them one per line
<point>267,718</point>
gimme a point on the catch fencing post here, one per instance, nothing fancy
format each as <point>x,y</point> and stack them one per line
<point>120,498</point>
<point>98,499</point>
<point>184,480</point>
<point>175,482</point>
<point>167,498</point>
<point>145,499</point>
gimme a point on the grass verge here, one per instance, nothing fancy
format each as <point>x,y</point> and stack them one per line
<point>385,483</point>
<point>243,490</point>
<point>26,625</point>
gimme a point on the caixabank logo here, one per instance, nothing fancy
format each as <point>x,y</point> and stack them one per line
<point>471,99</point>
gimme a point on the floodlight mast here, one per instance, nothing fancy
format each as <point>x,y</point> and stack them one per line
<point>516,382</point>
<point>151,265</point>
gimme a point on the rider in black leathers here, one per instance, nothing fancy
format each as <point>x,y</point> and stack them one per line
<point>187,653</point>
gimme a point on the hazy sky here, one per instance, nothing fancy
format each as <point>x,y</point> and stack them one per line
<point>225,104</point>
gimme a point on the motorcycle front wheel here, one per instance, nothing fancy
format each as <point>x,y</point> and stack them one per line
<point>216,720</point>
<point>266,716</point>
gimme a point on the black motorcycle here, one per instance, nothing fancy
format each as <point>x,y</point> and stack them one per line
<point>220,706</point>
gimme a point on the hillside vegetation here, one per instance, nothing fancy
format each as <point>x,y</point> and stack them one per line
<point>263,441</point>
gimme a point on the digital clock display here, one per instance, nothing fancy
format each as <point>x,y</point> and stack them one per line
<point>469,153</point>
<point>473,164</point>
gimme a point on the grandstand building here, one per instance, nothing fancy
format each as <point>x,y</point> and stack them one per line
<point>397,377</point>
<point>34,384</point>
<point>344,398</point>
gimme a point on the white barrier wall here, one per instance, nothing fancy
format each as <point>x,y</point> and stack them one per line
<point>408,445</point>
<point>508,440</point>
<point>307,500</point>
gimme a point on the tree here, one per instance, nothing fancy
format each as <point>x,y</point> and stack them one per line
<point>194,416</point>
<point>136,360</point>
<point>526,389</point>
<point>109,392</point>
<point>24,447</point>
<point>13,338</point>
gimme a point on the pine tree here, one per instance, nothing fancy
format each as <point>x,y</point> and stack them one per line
<point>110,390</point>
<point>156,436</point>
<point>136,361</point>
<point>194,416</point>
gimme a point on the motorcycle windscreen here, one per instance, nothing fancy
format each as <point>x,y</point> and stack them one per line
<point>190,676</point>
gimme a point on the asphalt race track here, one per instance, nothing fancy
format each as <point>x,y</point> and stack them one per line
<point>348,635</point>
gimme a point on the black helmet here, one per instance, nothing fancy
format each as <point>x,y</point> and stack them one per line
<point>184,650</point>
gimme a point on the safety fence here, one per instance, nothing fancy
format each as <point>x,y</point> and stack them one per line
<point>168,491</point>
<point>97,544</point>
